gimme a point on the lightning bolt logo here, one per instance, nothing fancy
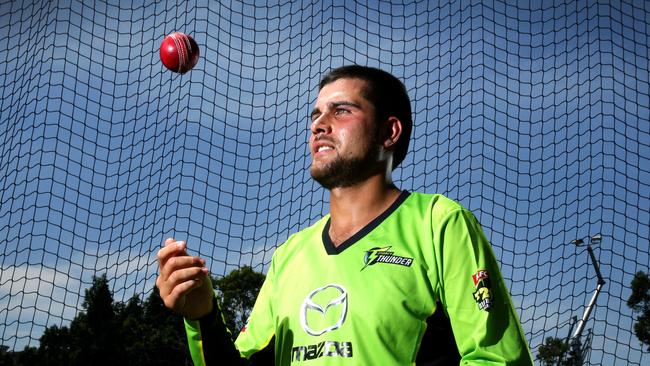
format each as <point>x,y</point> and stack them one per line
<point>373,254</point>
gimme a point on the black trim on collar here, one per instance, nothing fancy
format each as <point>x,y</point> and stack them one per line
<point>327,241</point>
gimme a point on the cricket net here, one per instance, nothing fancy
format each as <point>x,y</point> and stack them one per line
<point>534,115</point>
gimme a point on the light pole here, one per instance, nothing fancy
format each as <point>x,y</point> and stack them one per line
<point>596,239</point>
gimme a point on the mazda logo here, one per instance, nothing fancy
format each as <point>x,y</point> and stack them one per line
<point>338,297</point>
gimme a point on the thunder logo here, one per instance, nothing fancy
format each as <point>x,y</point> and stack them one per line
<point>384,255</point>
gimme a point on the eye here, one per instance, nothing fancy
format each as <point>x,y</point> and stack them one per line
<point>340,111</point>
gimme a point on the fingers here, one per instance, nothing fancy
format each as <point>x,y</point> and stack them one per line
<point>179,269</point>
<point>173,257</point>
<point>177,280</point>
<point>182,279</point>
<point>171,249</point>
<point>176,298</point>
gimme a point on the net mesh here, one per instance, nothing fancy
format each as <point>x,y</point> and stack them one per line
<point>534,116</point>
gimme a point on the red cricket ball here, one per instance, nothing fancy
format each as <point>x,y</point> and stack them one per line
<point>179,52</point>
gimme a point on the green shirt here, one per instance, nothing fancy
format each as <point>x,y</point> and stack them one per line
<point>371,301</point>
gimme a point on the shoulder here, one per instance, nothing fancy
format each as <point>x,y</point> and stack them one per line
<point>301,239</point>
<point>438,205</point>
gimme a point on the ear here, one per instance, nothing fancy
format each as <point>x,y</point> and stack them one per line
<point>393,132</point>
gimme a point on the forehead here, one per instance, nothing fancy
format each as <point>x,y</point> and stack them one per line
<point>342,89</point>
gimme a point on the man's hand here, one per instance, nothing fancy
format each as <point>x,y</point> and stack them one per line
<point>183,281</point>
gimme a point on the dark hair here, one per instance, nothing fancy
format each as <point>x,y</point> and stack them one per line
<point>386,93</point>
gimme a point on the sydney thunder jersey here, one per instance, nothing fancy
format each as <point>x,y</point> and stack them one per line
<point>417,286</point>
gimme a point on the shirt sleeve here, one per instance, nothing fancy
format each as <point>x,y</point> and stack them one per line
<point>210,342</point>
<point>474,295</point>
<point>260,327</point>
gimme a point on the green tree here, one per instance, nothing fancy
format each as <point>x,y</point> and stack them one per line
<point>95,334</point>
<point>29,356</point>
<point>556,352</point>
<point>166,342</point>
<point>79,333</point>
<point>552,351</point>
<point>91,339</point>
<point>639,302</point>
<point>140,333</point>
<point>133,332</point>
<point>55,346</point>
<point>6,358</point>
<point>110,333</point>
<point>237,293</point>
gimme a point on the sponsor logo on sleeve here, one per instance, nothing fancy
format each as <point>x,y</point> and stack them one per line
<point>483,293</point>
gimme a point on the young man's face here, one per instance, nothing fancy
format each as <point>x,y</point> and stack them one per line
<point>344,145</point>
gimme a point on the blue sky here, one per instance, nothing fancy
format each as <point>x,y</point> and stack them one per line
<point>533,116</point>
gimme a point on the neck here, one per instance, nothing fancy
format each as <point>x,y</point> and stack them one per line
<point>352,208</point>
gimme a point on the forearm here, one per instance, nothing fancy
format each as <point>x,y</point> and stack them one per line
<point>210,342</point>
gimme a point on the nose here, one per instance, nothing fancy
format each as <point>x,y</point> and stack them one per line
<point>320,125</point>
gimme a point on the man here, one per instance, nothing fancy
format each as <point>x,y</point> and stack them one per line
<point>387,278</point>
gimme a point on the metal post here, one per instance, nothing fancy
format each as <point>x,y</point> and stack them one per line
<point>601,282</point>
<point>585,316</point>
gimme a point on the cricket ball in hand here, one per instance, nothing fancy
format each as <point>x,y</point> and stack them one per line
<point>179,52</point>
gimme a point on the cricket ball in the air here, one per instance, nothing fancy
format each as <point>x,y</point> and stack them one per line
<point>179,52</point>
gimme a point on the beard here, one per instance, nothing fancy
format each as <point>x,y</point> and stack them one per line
<point>346,172</point>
